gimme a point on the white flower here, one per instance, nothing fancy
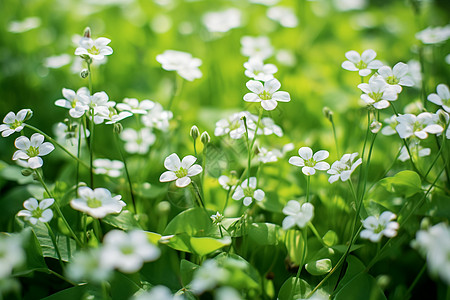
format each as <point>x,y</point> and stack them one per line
<point>346,5</point>
<point>343,168</point>
<point>24,25</point>
<point>421,152</point>
<point>135,106</point>
<point>265,2</point>
<point>112,168</point>
<point>157,117</point>
<point>442,97</point>
<point>14,123</point>
<point>363,63</point>
<point>257,47</point>
<point>182,62</point>
<point>434,243</point>
<point>73,101</point>
<point>32,149</point>
<point>88,265</point>
<point>99,104</point>
<point>397,76</point>
<point>256,69</point>
<point>283,15</point>
<point>434,35</point>
<point>375,228</point>
<point>391,124</point>
<point>297,215</point>
<point>35,211</point>
<point>267,94</point>
<point>443,120</point>
<point>235,127</point>
<point>12,254</point>
<point>97,203</point>
<point>222,21</point>
<point>286,57</point>
<point>113,117</point>
<point>267,156</point>
<point>228,182</point>
<point>269,127</point>
<point>138,141</point>
<point>128,251</point>
<point>248,191</point>
<point>68,135</point>
<point>57,61</point>
<point>95,50</point>
<point>180,171</point>
<point>159,292</point>
<point>309,162</point>
<point>207,276</point>
<point>415,72</point>
<point>419,126</point>
<point>377,92</point>
<point>217,218</point>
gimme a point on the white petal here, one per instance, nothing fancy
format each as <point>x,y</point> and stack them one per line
<point>182,182</point>
<point>347,65</point>
<point>296,161</point>
<point>255,86</point>
<point>251,97</point>
<point>22,143</point>
<point>188,161</point>
<point>35,162</point>
<point>46,148</point>
<point>31,204</point>
<point>272,85</point>
<point>36,140</point>
<point>281,96</point>
<point>167,176</point>
<point>368,55</point>
<point>353,56</point>
<point>247,201</point>
<point>288,222</point>
<point>321,155</point>
<point>172,162</point>
<point>47,215</point>
<point>269,104</point>
<point>308,171</point>
<point>305,153</point>
<point>322,166</point>
<point>46,203</point>
<point>259,195</point>
<point>195,170</point>
<point>238,193</point>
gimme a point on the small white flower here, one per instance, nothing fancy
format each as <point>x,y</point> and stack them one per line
<point>113,117</point>
<point>135,106</point>
<point>235,127</point>
<point>397,76</point>
<point>443,120</point>
<point>266,156</point>
<point>258,47</point>
<point>95,50</point>
<point>415,72</point>
<point>269,127</point>
<point>309,162</point>
<point>138,141</point>
<point>35,211</point>
<point>377,92</point>
<point>297,215</point>
<point>363,63</point>
<point>208,276</point>
<point>31,150</point>
<point>73,101</point>
<point>416,149</point>
<point>182,62</point>
<point>228,182</point>
<point>97,203</point>
<point>419,126</point>
<point>434,35</point>
<point>267,94</point>
<point>248,191</point>
<point>12,254</point>
<point>283,15</point>
<point>157,117</point>
<point>180,171</point>
<point>256,69</point>
<point>112,168</point>
<point>88,265</point>
<point>391,124</point>
<point>222,21</point>
<point>128,251</point>
<point>24,25</point>
<point>343,168</point>
<point>14,123</point>
<point>442,97</point>
<point>217,218</point>
<point>99,104</point>
<point>286,57</point>
<point>57,61</point>
<point>375,228</point>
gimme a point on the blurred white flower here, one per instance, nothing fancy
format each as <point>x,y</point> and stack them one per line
<point>217,218</point>
<point>227,293</point>
<point>377,92</point>
<point>12,254</point>
<point>297,214</point>
<point>135,106</point>
<point>343,168</point>
<point>415,72</point>
<point>57,61</point>
<point>434,35</point>
<point>222,21</point>
<point>235,127</point>
<point>346,5</point>
<point>397,76</point>
<point>113,117</point>
<point>442,97</point>
<point>88,266</point>
<point>97,203</point>
<point>127,251</point>
<point>309,162</point>
<point>265,2</point>
<point>269,127</point>
<point>419,126</point>
<point>112,168</point>
<point>267,94</point>
<point>447,59</point>
<point>138,141</point>
<point>443,120</point>
<point>363,63</point>
<point>94,49</point>
<point>98,103</point>
<point>35,211</point>
<point>182,62</point>
<point>257,47</point>
<point>159,292</point>
<point>73,101</point>
<point>286,57</point>
<point>207,276</point>
<point>375,228</point>
<point>228,182</point>
<point>14,123</point>
<point>24,25</point>
<point>283,15</point>
<point>180,171</point>
<point>272,155</point>
<point>256,69</point>
<point>31,150</point>
<point>391,123</point>
<point>157,117</point>
<point>415,148</point>
<point>248,191</point>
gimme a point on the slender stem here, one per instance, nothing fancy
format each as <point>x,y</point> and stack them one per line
<point>56,143</point>
<point>361,171</point>
<point>202,178</point>
<point>130,185</point>
<point>91,147</point>
<point>226,201</point>
<point>416,280</point>
<point>335,138</point>
<point>388,169</point>
<point>77,176</point>
<point>198,195</point>
<point>308,181</point>
<point>90,76</point>
<point>300,267</point>
<point>84,218</point>
<point>48,271</point>
<point>53,238</point>
<point>316,233</point>
<point>178,83</point>
<point>98,229</point>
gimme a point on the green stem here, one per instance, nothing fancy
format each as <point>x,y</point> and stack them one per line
<point>77,176</point>
<point>53,238</point>
<point>226,201</point>
<point>197,195</point>
<point>300,267</point>
<point>335,139</point>
<point>91,147</point>
<point>48,271</point>
<point>178,83</point>
<point>308,181</point>
<point>316,233</point>
<point>98,229</point>
<point>130,185</point>
<point>361,171</point>
<point>416,280</point>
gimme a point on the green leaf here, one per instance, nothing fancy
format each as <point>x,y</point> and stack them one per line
<point>76,293</point>
<point>295,245</point>
<point>302,289</point>
<point>319,267</point>
<point>153,237</point>
<point>14,173</point>
<point>405,183</point>
<point>125,220</point>
<point>33,253</point>
<point>193,221</point>
<point>124,286</point>
<point>263,233</point>
<point>242,274</point>
<point>330,238</point>
<point>187,270</point>
<point>206,245</point>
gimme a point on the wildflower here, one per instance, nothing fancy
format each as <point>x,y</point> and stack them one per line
<point>112,168</point>
<point>113,117</point>
<point>434,35</point>
<point>98,106</point>
<point>419,126</point>
<point>434,243</point>
<point>256,69</point>
<point>157,117</point>
<point>286,57</point>
<point>267,156</point>
<point>269,127</point>
<point>89,266</point>
<point>235,127</point>
<point>377,92</point>
<point>397,76</point>
<point>97,203</point>
<point>128,251</point>
<point>257,47</point>
<point>443,120</point>
<point>73,101</point>
<point>391,124</point>
<point>32,149</point>
<point>35,211</point>
<point>14,123</point>
<point>343,168</point>
<point>159,292</point>
<point>375,228</point>
<point>421,152</point>
<point>182,62</point>
<point>415,72</point>
<point>24,25</point>
<point>228,182</point>
<point>363,63</point>
<point>217,218</point>
<point>180,171</point>
<point>222,21</point>
<point>297,215</point>
<point>135,106</point>
<point>309,162</point>
<point>248,191</point>
<point>138,141</point>
<point>283,15</point>
<point>267,94</point>
<point>94,49</point>
<point>442,97</point>
<point>57,61</point>
<point>12,254</point>
<point>208,276</point>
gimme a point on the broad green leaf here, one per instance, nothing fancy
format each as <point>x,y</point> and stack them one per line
<point>153,237</point>
<point>263,233</point>
<point>180,242</point>
<point>271,202</point>
<point>124,286</point>
<point>242,274</point>
<point>125,220</point>
<point>33,253</point>
<point>319,267</point>
<point>405,183</point>
<point>187,270</point>
<point>295,245</point>
<point>193,221</point>
<point>77,292</point>
<point>301,290</point>
<point>206,245</point>
<point>330,238</point>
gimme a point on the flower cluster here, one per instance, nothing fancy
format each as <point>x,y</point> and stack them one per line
<point>182,62</point>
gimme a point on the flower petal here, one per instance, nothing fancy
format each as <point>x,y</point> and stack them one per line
<point>188,161</point>
<point>255,86</point>
<point>297,161</point>
<point>182,182</point>
<point>321,155</point>
<point>167,176</point>
<point>172,162</point>
<point>195,170</point>
<point>305,153</point>
<point>35,162</point>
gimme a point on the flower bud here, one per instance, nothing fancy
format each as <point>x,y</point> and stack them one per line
<point>375,126</point>
<point>87,32</point>
<point>194,132</point>
<point>118,128</point>
<point>27,172</point>
<point>443,117</point>
<point>205,138</point>
<point>163,207</point>
<point>84,73</point>
<point>328,113</point>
